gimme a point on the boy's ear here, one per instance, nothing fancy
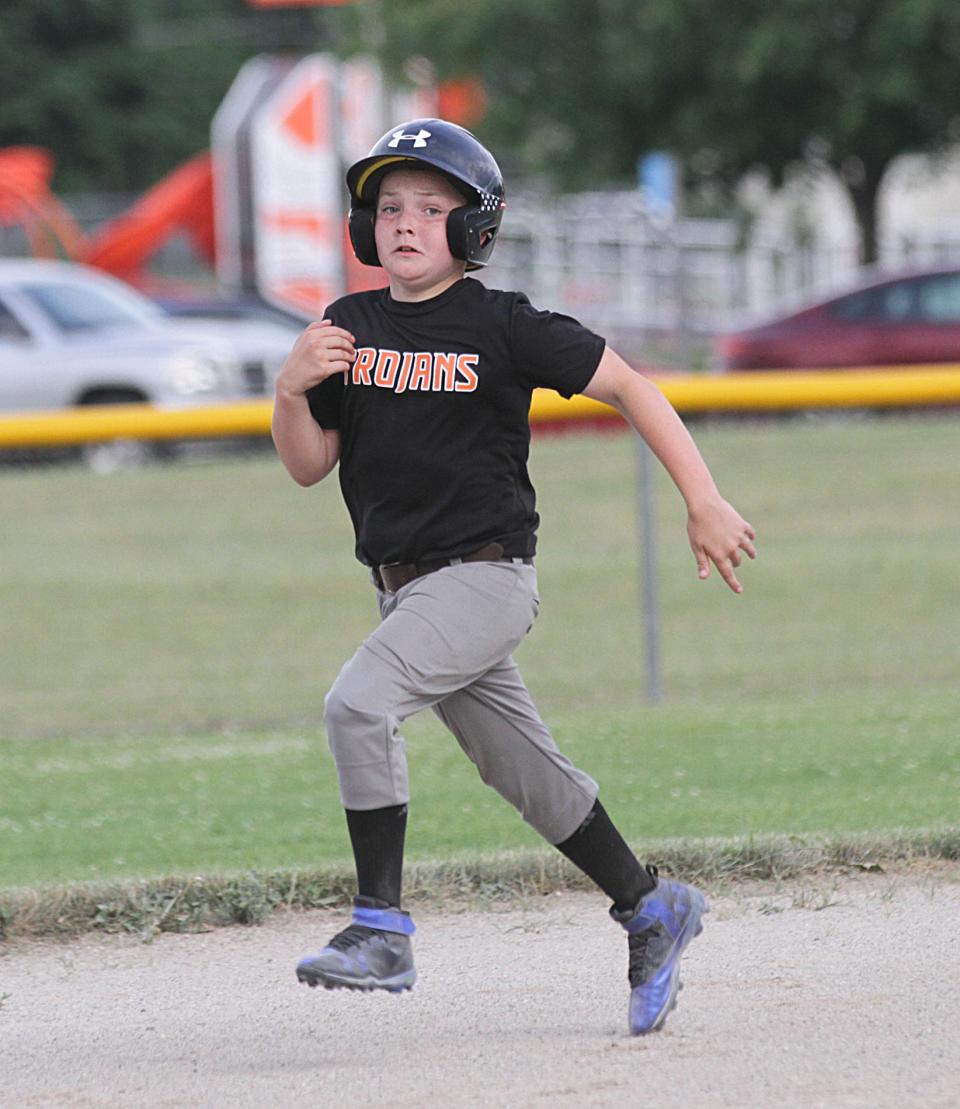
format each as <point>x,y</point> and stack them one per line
<point>361,223</point>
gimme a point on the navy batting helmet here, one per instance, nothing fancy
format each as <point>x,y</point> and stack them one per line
<point>450,150</point>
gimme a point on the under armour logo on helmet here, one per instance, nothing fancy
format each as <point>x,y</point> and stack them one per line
<point>418,140</point>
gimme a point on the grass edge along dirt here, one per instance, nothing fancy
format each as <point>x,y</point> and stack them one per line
<point>202,902</point>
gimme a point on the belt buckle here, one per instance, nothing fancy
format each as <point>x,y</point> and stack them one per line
<point>393,583</point>
<point>388,566</point>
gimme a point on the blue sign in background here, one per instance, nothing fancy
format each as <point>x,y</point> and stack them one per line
<point>658,177</point>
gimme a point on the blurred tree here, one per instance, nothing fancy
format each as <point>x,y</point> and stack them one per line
<point>120,91</point>
<point>579,88</point>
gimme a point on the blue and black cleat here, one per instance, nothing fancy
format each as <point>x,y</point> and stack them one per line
<point>372,953</point>
<point>659,930</point>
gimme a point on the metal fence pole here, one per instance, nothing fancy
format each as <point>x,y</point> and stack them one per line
<point>650,614</point>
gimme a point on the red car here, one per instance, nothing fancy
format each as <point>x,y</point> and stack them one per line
<point>906,320</point>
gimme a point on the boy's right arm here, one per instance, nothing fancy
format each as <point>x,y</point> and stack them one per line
<point>308,451</point>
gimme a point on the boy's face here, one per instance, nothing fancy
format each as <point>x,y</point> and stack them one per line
<point>411,233</point>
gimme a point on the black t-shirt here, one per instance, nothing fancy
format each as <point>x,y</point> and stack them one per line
<point>434,417</point>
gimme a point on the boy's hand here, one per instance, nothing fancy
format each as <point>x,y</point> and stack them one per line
<point>320,351</point>
<point>718,533</point>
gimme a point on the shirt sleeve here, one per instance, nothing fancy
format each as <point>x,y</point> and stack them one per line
<point>553,350</point>
<point>325,399</point>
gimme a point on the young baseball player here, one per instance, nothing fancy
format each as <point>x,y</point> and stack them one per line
<point>420,392</point>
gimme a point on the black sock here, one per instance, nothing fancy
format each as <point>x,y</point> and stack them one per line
<point>599,850</point>
<point>377,837</point>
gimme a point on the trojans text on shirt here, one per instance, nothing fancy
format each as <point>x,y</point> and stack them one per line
<point>426,370</point>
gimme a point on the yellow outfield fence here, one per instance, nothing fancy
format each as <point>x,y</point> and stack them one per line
<point>733,392</point>
<point>779,391</point>
<point>103,423</point>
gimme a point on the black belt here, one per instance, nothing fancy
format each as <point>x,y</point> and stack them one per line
<point>395,575</point>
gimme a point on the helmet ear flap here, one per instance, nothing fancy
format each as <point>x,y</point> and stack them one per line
<point>471,232</point>
<point>361,223</point>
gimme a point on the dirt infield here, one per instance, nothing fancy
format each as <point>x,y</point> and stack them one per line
<point>830,992</point>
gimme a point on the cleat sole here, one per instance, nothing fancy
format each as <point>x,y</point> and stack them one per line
<point>330,983</point>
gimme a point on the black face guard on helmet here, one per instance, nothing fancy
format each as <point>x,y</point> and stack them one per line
<point>450,150</point>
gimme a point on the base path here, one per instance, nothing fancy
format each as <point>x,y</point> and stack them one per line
<point>828,992</point>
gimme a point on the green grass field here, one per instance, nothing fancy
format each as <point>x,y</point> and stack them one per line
<point>168,636</point>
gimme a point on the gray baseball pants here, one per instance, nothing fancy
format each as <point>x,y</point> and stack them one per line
<point>445,643</point>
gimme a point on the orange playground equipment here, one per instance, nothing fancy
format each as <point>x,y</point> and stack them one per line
<point>182,203</point>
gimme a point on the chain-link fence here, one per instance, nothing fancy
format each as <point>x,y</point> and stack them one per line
<point>659,289</point>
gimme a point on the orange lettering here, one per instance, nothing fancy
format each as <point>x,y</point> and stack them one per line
<point>386,372</point>
<point>366,356</point>
<point>444,366</point>
<point>465,367</point>
<point>404,371</point>
<point>422,371</point>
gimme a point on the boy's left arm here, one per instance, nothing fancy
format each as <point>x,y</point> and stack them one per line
<point>717,532</point>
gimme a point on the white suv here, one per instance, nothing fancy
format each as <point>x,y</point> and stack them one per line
<point>72,335</point>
